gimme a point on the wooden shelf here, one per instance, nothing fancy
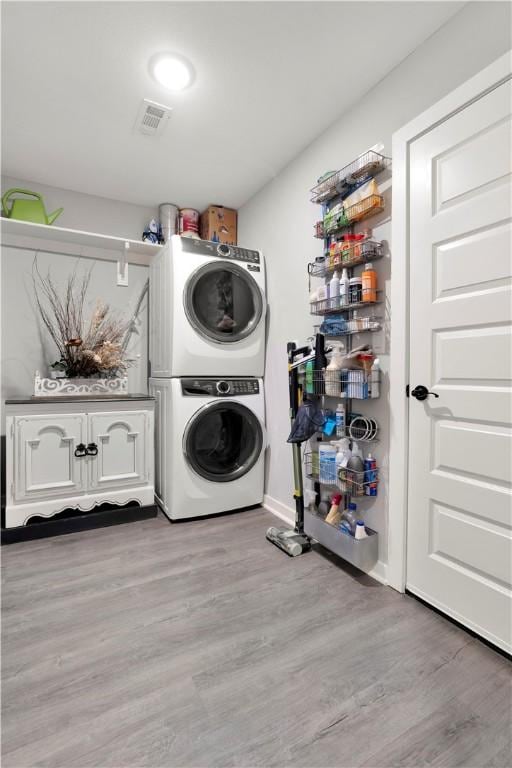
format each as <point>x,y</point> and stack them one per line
<point>74,242</point>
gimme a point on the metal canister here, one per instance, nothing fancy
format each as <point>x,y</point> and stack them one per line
<point>168,214</point>
<point>189,220</point>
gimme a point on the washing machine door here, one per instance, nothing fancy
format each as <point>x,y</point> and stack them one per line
<point>223,441</point>
<point>223,302</point>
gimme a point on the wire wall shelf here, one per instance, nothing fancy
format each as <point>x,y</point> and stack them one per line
<point>339,217</point>
<point>339,327</point>
<point>331,306</point>
<point>346,254</point>
<point>339,182</point>
<point>360,428</point>
<point>357,384</point>
<point>348,481</point>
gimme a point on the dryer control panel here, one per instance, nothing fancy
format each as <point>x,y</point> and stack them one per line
<point>221,250</point>
<point>219,387</point>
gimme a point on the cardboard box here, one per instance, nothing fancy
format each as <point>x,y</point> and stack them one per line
<point>218,224</point>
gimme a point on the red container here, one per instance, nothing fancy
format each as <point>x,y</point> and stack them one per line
<point>189,220</point>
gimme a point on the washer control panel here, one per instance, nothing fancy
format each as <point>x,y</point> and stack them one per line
<point>221,250</point>
<point>219,387</point>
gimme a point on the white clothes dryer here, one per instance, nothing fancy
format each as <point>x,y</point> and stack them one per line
<point>210,445</point>
<point>207,310</point>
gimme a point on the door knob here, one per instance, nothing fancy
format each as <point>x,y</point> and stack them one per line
<point>421,392</point>
<point>92,449</point>
<point>80,450</point>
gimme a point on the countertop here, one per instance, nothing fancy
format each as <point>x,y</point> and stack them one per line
<point>32,399</point>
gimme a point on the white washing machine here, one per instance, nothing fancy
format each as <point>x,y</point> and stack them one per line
<point>207,310</point>
<point>210,444</point>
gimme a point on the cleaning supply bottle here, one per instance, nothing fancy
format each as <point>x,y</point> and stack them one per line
<point>355,475</point>
<point>334,291</point>
<point>360,532</point>
<point>349,519</point>
<point>334,515</point>
<point>343,456</point>
<point>369,278</point>
<point>327,462</point>
<point>332,374</point>
<point>370,476</point>
<point>340,420</point>
<point>375,378</point>
<point>343,289</point>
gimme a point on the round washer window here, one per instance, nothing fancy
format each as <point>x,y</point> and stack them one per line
<point>223,302</point>
<point>223,441</point>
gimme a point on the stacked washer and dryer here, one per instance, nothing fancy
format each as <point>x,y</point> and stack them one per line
<point>207,357</point>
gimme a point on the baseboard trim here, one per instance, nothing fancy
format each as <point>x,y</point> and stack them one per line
<point>87,521</point>
<point>379,572</point>
<point>280,510</point>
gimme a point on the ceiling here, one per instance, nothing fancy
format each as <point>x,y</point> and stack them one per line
<point>270,78</point>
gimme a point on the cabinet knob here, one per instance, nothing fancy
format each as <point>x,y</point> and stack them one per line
<point>92,449</point>
<point>80,450</point>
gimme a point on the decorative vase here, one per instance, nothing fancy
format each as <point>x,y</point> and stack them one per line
<point>44,387</point>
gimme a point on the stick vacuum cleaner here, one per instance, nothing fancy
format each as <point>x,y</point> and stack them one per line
<point>293,541</point>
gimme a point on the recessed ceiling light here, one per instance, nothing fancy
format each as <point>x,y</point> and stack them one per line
<point>173,72</point>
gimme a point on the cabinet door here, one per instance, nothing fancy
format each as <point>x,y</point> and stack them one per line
<point>122,440</point>
<point>45,456</point>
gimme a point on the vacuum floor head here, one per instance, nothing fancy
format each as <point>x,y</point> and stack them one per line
<point>289,541</point>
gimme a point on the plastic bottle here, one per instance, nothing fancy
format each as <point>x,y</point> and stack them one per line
<point>355,476</point>
<point>332,374</point>
<point>327,461</point>
<point>349,519</point>
<point>334,516</point>
<point>360,532</point>
<point>340,420</point>
<point>334,291</point>
<point>370,476</point>
<point>369,278</point>
<point>343,456</point>
<point>355,289</point>
<point>343,290</point>
<point>375,378</point>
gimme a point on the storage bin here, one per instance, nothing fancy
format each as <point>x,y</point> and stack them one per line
<point>362,553</point>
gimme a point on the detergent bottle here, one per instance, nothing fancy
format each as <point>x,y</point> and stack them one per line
<point>369,283</point>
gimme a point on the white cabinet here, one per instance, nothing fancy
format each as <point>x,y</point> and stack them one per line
<point>77,454</point>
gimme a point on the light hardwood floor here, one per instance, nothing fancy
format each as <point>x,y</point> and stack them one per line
<point>201,644</point>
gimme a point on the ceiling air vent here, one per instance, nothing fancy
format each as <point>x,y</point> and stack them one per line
<point>152,117</point>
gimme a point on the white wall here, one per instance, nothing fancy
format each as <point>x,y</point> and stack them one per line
<point>25,344</point>
<point>279,219</point>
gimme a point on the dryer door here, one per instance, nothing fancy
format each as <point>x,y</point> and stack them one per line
<point>223,303</point>
<point>223,441</point>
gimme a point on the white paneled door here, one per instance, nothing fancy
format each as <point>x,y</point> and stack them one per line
<point>459,543</point>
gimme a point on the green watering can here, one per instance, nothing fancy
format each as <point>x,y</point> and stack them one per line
<point>24,209</point>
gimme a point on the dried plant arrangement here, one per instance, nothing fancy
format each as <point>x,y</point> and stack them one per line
<point>92,348</point>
